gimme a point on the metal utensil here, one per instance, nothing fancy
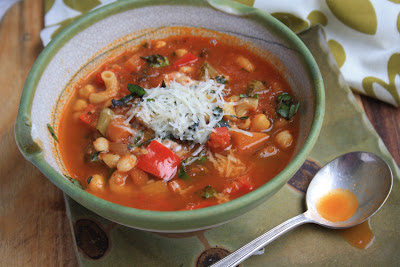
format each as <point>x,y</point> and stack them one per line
<point>364,174</point>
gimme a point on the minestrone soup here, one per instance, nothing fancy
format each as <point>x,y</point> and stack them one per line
<point>177,124</point>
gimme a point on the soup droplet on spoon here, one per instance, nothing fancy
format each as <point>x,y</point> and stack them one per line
<point>338,205</point>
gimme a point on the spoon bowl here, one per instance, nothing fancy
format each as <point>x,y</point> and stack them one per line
<point>363,174</point>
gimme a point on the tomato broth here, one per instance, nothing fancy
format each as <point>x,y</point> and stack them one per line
<point>235,126</point>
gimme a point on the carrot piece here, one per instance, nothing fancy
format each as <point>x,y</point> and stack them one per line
<point>117,130</point>
<point>139,176</point>
<point>246,143</point>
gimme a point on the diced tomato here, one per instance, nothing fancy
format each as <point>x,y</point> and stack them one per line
<point>220,139</point>
<point>89,115</point>
<point>99,80</point>
<point>159,161</point>
<point>199,205</point>
<point>242,183</point>
<point>186,59</point>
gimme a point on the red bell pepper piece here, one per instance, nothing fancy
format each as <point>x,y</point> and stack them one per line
<point>220,139</point>
<point>159,161</point>
<point>89,115</point>
<point>186,59</point>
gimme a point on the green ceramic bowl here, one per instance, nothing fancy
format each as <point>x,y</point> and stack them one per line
<point>91,38</point>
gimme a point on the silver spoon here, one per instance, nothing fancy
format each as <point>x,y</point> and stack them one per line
<point>364,174</point>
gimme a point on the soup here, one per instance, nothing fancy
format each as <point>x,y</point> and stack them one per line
<point>177,124</point>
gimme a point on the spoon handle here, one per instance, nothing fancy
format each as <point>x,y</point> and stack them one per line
<point>247,250</point>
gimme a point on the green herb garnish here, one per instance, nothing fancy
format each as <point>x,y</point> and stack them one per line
<point>145,142</point>
<point>136,90</point>
<point>286,107</point>
<point>151,100</point>
<point>95,157</point>
<point>221,79</point>
<point>217,111</point>
<point>208,192</point>
<point>52,132</point>
<point>240,118</point>
<point>156,60</point>
<point>182,173</point>
<point>75,182</point>
<point>163,85</point>
<point>246,95</point>
<point>222,123</point>
<point>145,45</point>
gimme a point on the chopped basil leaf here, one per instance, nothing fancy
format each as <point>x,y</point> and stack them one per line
<point>221,79</point>
<point>286,107</point>
<point>156,60</point>
<point>163,85</point>
<point>203,159</point>
<point>95,157</point>
<point>122,102</point>
<point>89,179</point>
<point>145,142</point>
<point>145,45</point>
<point>52,132</point>
<point>150,100</point>
<point>208,192</point>
<point>217,111</point>
<point>136,90</point>
<point>182,173</point>
<point>240,118</point>
<point>222,123</point>
<point>75,182</point>
<point>252,96</point>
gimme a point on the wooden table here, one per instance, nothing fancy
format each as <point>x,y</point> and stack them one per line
<point>34,229</point>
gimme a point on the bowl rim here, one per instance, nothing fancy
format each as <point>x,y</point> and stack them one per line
<point>155,220</point>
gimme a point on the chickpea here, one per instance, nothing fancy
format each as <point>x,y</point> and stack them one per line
<point>126,163</point>
<point>244,124</point>
<point>111,160</point>
<point>80,105</point>
<point>180,52</point>
<point>97,183</point>
<point>101,144</point>
<point>260,123</point>
<point>118,183</point>
<point>160,44</point>
<point>284,139</point>
<point>186,69</point>
<point>245,63</point>
<point>85,91</point>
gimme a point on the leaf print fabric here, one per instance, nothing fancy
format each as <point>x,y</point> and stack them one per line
<point>363,35</point>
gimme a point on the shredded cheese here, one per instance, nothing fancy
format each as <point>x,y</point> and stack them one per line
<point>186,112</point>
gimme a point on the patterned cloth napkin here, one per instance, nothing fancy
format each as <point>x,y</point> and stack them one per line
<point>363,35</point>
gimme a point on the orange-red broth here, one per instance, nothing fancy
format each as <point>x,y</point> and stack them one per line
<point>75,136</point>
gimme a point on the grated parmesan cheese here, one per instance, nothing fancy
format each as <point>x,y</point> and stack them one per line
<point>186,112</point>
